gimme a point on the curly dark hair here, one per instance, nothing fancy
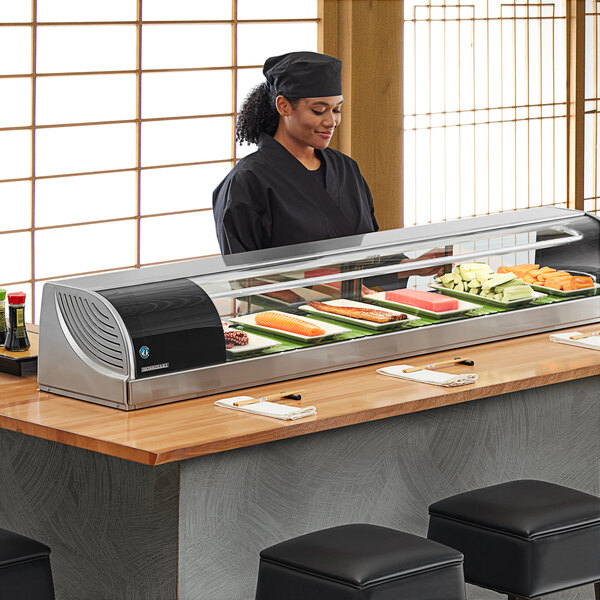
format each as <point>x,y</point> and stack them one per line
<point>258,115</point>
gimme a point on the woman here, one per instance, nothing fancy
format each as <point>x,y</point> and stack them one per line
<point>294,189</point>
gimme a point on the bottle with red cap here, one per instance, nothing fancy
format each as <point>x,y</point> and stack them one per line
<point>16,339</point>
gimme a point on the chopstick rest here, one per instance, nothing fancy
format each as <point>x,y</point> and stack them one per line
<point>426,376</point>
<point>576,338</point>
<point>267,409</point>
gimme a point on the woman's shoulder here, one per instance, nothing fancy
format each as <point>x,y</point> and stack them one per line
<point>246,180</point>
<point>251,162</point>
<point>246,168</point>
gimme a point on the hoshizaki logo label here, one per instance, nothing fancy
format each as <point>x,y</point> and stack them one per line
<point>154,367</point>
<point>144,352</point>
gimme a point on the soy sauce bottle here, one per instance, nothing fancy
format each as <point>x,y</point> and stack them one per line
<point>2,318</point>
<point>16,340</point>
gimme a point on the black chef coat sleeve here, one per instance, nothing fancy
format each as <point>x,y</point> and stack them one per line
<point>241,212</point>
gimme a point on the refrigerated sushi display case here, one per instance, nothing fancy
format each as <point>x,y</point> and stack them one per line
<point>160,334</point>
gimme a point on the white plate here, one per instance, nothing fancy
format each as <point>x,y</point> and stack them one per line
<point>361,322</point>
<point>330,330</point>
<point>255,343</point>
<point>492,301</point>
<point>463,306</point>
<point>554,292</point>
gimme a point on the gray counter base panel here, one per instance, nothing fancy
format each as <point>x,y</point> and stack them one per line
<point>193,531</point>
<point>111,523</point>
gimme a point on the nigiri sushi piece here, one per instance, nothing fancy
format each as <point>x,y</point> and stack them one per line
<point>284,322</point>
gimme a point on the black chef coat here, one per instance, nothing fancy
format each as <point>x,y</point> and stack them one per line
<point>271,199</point>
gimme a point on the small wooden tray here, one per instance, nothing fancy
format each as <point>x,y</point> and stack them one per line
<point>12,362</point>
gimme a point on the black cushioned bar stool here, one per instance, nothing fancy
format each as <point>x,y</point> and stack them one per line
<point>360,562</point>
<point>24,568</point>
<point>523,538</point>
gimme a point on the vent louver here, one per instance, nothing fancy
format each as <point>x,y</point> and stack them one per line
<point>94,329</point>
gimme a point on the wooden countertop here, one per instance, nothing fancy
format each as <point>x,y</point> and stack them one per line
<point>196,427</point>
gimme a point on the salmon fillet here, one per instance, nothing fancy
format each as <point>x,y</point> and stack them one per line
<point>357,312</point>
<point>288,323</point>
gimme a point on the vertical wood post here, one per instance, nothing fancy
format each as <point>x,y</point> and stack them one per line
<point>575,102</point>
<point>367,36</point>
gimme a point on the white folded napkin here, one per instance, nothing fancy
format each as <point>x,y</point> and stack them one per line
<point>592,342</point>
<point>427,376</point>
<point>268,409</point>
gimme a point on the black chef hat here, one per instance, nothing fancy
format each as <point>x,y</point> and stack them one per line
<point>304,75</point>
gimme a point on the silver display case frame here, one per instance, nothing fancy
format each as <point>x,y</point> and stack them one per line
<point>64,368</point>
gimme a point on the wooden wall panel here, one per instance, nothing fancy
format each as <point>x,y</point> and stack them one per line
<point>367,36</point>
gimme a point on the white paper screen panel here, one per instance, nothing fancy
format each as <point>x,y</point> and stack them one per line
<point>186,93</point>
<point>15,50</point>
<point>258,41</point>
<point>85,99</point>
<point>85,149</point>
<point>15,205</point>
<point>15,154</point>
<point>275,9</point>
<point>187,234</point>
<point>180,188</point>
<point>84,248</point>
<point>186,10</point>
<point>15,11</point>
<point>78,10</point>
<point>85,198</point>
<point>18,247</point>
<point>83,48</point>
<point>185,45</point>
<point>15,102</point>
<point>186,141</point>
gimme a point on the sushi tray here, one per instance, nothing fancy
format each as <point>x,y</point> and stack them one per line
<point>351,304</point>
<point>590,291</point>
<point>254,343</point>
<point>504,304</point>
<point>329,330</point>
<point>464,306</point>
<point>583,291</point>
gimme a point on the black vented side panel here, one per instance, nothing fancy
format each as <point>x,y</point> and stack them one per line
<point>174,326</point>
<point>93,328</point>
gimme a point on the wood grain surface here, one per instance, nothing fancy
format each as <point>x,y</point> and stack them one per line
<point>196,427</point>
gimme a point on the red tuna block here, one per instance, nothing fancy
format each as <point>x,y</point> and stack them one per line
<point>427,300</point>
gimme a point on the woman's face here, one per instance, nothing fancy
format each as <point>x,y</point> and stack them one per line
<point>313,121</point>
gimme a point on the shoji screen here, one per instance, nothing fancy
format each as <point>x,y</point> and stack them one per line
<point>485,97</point>
<point>116,123</point>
